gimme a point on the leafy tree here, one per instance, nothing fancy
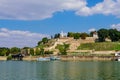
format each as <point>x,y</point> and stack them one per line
<point>63,48</point>
<point>40,43</point>
<point>51,37</point>
<point>4,51</point>
<point>76,35</point>
<point>114,35</point>
<point>7,51</point>
<point>42,51</point>
<point>70,34</point>
<point>84,35</point>
<point>26,47</point>
<point>57,35</point>
<point>102,34</point>
<point>37,51</point>
<point>14,50</point>
<point>45,40</point>
<point>32,51</point>
<point>119,35</point>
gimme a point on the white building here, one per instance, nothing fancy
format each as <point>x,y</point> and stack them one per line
<point>95,35</point>
<point>62,34</point>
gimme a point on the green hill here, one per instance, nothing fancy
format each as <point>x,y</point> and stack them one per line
<point>103,46</point>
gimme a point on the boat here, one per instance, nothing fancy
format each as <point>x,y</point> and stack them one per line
<point>43,59</point>
<point>55,58</point>
<point>117,55</point>
<point>51,58</point>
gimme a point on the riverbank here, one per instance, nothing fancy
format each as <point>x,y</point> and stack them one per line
<point>88,58</point>
<point>3,58</point>
<point>77,58</point>
<point>71,58</point>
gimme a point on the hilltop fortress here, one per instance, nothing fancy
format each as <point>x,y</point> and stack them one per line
<point>73,44</point>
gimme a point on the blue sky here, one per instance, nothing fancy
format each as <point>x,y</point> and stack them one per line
<point>25,22</point>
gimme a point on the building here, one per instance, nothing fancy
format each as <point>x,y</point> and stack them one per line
<point>62,34</point>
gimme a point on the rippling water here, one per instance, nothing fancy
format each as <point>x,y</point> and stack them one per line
<point>59,70</point>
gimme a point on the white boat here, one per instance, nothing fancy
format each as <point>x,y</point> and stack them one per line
<point>117,55</point>
<point>43,59</point>
<point>51,58</point>
<point>55,58</point>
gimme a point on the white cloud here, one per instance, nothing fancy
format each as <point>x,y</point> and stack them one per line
<point>92,29</point>
<point>3,29</point>
<point>42,9</point>
<point>107,7</point>
<point>36,9</point>
<point>116,26</point>
<point>11,38</point>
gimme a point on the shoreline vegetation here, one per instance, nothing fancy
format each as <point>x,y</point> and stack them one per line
<point>96,45</point>
<point>70,58</point>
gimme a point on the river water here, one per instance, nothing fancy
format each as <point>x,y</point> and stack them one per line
<point>59,70</point>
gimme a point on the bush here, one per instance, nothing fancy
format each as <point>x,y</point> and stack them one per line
<point>9,57</point>
<point>48,52</point>
<point>63,48</point>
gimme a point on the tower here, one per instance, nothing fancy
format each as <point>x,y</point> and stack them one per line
<point>61,34</point>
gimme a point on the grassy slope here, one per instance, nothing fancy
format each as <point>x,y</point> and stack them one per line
<point>103,46</point>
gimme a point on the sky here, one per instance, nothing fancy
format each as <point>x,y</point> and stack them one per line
<point>25,22</point>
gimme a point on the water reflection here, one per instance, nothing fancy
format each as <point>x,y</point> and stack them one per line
<point>59,70</point>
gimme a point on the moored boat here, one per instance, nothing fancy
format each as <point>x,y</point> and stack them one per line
<point>43,59</point>
<point>54,58</point>
<point>51,58</point>
<point>117,55</point>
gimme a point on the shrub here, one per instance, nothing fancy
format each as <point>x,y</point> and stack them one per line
<point>9,57</point>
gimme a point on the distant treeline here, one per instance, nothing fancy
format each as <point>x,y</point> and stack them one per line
<point>15,50</point>
<point>6,51</point>
<point>75,35</point>
<point>112,34</point>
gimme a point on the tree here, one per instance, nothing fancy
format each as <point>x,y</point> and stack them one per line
<point>76,35</point>
<point>102,34</point>
<point>41,51</point>
<point>70,34</point>
<point>114,35</point>
<point>37,51</point>
<point>57,35</point>
<point>26,47</point>
<point>63,48</point>
<point>32,51</point>
<point>14,50</point>
<point>45,40</point>
<point>4,51</point>
<point>84,35</point>
<point>7,51</point>
<point>51,37</point>
<point>40,43</point>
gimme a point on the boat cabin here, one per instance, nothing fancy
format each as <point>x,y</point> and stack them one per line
<point>117,54</point>
<point>18,56</point>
